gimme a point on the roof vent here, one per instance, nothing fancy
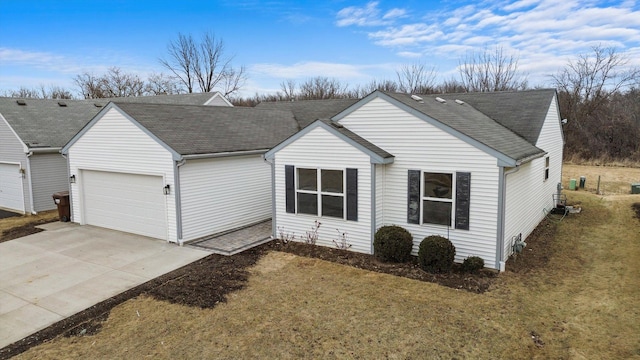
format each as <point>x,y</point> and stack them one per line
<point>459,102</point>
<point>21,102</point>
<point>62,104</point>
<point>416,98</point>
<point>97,104</point>
<point>441,100</point>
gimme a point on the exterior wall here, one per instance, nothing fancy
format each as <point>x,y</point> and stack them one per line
<point>321,149</point>
<point>217,101</point>
<point>528,194</point>
<point>116,144</point>
<point>418,145</point>
<point>48,175</point>
<point>12,150</point>
<point>221,194</point>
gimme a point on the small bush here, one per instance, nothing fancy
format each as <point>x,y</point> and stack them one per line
<point>436,254</point>
<point>473,264</point>
<point>392,244</point>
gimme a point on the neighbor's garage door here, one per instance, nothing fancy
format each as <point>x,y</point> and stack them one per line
<point>11,187</point>
<point>126,202</point>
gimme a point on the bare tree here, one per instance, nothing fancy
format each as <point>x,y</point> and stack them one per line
<point>90,86</point>
<point>288,88</point>
<point>202,64</point>
<point>161,83</point>
<point>491,71</point>
<point>597,95</point>
<point>416,79</point>
<point>321,87</point>
<point>41,92</point>
<point>117,83</point>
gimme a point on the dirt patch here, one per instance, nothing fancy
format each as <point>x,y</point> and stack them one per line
<point>636,207</point>
<point>539,250</point>
<point>24,230</point>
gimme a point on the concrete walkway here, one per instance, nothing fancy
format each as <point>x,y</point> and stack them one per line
<point>53,274</point>
<point>235,241</point>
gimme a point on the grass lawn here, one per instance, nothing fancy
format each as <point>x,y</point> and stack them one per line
<point>585,304</point>
<point>22,225</point>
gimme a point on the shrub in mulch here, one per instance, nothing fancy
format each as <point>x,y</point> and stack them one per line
<point>436,254</point>
<point>392,243</point>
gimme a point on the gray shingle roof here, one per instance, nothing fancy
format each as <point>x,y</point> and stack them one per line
<point>191,130</point>
<point>44,123</point>
<point>523,112</point>
<point>469,121</point>
<point>358,139</point>
<point>308,111</point>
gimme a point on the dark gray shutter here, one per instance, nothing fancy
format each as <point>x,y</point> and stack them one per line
<point>413,197</point>
<point>463,195</point>
<point>352,194</point>
<point>290,189</point>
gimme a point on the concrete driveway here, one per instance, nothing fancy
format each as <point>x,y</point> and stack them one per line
<point>53,274</point>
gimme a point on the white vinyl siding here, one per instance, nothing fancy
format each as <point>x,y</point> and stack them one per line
<point>115,144</point>
<point>221,194</point>
<point>48,175</point>
<point>528,194</point>
<point>12,150</point>
<point>380,191</point>
<point>418,145</point>
<point>320,149</point>
<point>125,202</point>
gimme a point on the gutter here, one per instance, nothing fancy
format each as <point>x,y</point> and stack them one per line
<point>273,196</point>
<point>47,150</point>
<point>530,158</point>
<point>224,154</point>
<point>502,192</point>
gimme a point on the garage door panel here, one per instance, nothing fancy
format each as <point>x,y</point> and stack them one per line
<point>11,192</point>
<point>126,202</point>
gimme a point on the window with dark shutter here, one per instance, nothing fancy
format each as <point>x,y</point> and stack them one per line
<point>290,189</point>
<point>352,194</point>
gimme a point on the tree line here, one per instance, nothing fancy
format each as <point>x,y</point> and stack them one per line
<point>598,93</point>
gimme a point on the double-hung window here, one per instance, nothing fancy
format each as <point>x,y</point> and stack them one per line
<point>546,168</point>
<point>437,198</point>
<point>320,189</point>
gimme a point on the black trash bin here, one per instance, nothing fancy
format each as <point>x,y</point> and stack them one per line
<point>583,180</point>
<point>64,208</point>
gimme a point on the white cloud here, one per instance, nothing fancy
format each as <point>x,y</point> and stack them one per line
<point>360,16</point>
<point>411,34</point>
<point>409,54</point>
<point>395,13</point>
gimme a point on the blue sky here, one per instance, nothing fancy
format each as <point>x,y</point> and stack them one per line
<point>45,42</point>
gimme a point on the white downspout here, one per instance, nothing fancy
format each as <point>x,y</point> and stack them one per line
<point>31,202</point>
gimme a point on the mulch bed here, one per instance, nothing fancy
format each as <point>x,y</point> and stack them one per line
<point>206,282</point>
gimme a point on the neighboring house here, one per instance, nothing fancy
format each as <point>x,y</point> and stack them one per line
<point>479,168</point>
<point>32,132</point>
<point>174,172</point>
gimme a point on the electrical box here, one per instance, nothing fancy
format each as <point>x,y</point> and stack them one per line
<point>635,188</point>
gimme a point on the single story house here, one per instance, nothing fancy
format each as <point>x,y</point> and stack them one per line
<point>32,132</point>
<point>478,168</point>
<point>174,172</point>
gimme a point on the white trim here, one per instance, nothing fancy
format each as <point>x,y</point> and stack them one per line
<point>218,94</point>
<point>452,200</point>
<point>318,192</point>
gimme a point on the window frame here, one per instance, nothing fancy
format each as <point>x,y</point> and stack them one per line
<point>319,193</point>
<point>451,200</point>
<point>547,162</point>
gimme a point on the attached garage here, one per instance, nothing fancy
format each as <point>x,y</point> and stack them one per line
<point>174,172</point>
<point>11,192</point>
<point>132,203</point>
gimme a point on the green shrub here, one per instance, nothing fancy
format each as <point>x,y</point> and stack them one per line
<point>472,264</point>
<point>393,244</point>
<point>436,254</point>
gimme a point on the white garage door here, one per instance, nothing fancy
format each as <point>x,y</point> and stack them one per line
<point>126,202</point>
<point>11,187</point>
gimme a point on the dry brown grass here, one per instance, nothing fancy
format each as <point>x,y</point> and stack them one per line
<point>583,305</point>
<point>17,221</point>
<point>614,180</point>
